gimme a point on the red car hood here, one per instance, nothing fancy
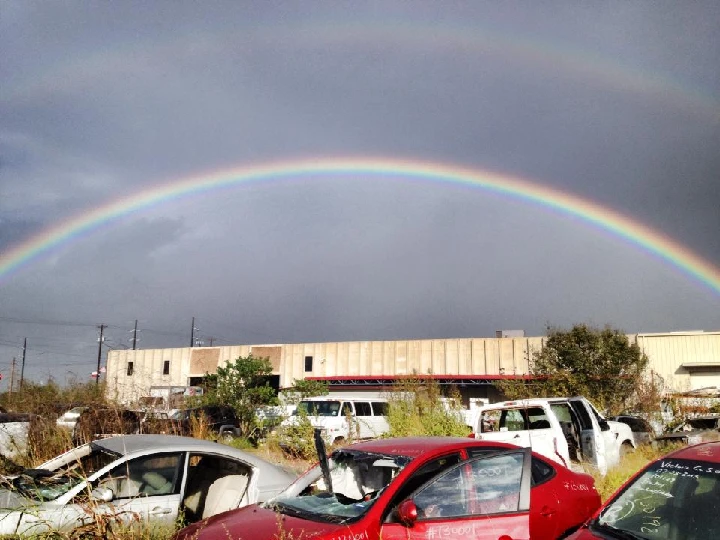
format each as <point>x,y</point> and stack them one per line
<point>256,523</point>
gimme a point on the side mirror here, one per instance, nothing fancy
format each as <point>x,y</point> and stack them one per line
<point>407,513</point>
<point>604,426</point>
<point>102,494</point>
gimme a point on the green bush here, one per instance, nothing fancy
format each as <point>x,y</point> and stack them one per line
<point>416,409</point>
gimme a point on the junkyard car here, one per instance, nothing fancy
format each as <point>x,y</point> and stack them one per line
<point>215,418</point>
<point>412,488</point>
<point>69,418</point>
<point>674,497</point>
<point>135,478</point>
<point>694,430</point>
<point>95,423</point>
<point>642,430</point>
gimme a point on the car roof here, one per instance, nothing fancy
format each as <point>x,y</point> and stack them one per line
<point>709,451</point>
<point>131,444</point>
<point>415,446</point>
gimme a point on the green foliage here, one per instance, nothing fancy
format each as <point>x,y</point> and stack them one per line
<point>416,408</point>
<point>306,388</point>
<point>244,385</point>
<point>600,364</point>
<point>297,437</point>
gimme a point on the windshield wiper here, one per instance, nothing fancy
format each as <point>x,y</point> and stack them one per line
<point>615,532</point>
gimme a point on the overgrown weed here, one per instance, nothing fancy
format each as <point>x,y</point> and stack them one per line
<point>630,464</point>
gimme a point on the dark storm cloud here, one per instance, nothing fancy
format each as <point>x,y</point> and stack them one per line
<point>617,103</point>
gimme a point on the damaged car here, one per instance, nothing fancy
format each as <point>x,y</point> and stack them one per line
<point>694,430</point>
<point>135,479</point>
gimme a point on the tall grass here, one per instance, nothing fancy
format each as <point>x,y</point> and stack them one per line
<point>630,464</point>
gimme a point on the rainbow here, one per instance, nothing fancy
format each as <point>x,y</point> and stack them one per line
<point>602,217</point>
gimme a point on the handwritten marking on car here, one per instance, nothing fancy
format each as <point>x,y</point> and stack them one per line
<point>576,486</point>
<point>352,536</point>
<point>451,531</point>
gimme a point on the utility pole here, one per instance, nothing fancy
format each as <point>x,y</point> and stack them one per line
<point>134,340</point>
<point>22,368</point>
<point>12,375</point>
<point>100,342</point>
<point>192,333</point>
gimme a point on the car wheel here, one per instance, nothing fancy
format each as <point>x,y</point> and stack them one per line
<point>626,449</point>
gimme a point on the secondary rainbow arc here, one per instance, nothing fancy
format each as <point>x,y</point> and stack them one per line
<point>603,217</point>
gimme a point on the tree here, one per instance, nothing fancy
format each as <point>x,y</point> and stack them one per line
<point>600,364</point>
<point>306,388</point>
<point>244,385</point>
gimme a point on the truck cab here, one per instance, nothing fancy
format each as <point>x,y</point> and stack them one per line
<point>567,430</point>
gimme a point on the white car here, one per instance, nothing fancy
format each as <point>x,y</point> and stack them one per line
<point>68,419</point>
<point>135,478</point>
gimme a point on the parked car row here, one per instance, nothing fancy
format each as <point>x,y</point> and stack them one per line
<point>410,488</point>
<point>88,424</point>
<point>413,488</point>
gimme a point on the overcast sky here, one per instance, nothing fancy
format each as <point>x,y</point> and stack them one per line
<point>614,102</point>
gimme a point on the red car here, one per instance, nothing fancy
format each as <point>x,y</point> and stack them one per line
<point>675,497</point>
<point>412,488</point>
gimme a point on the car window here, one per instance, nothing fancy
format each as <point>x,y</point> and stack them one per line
<point>517,419</point>
<point>541,471</point>
<point>347,409</point>
<point>584,417</point>
<point>482,486</point>
<point>362,408</point>
<point>425,473</point>
<point>318,408</point>
<point>380,408</point>
<point>155,474</point>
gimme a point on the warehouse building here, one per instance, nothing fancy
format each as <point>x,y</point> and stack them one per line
<point>681,360</point>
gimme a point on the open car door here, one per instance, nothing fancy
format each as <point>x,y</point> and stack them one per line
<point>484,498</point>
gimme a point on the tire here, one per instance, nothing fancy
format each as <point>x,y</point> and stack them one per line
<point>625,449</point>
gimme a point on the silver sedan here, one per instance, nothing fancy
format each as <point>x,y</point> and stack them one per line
<point>135,479</point>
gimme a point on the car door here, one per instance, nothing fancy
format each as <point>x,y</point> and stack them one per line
<point>484,498</point>
<point>145,489</point>
<point>545,510</point>
<point>591,437</point>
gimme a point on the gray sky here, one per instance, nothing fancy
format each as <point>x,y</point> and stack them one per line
<point>614,102</point>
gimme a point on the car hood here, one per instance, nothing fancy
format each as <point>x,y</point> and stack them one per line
<point>257,523</point>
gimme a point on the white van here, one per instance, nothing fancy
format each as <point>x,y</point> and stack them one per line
<point>344,418</point>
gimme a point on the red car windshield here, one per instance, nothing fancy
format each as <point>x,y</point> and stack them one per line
<point>674,498</point>
<point>356,480</point>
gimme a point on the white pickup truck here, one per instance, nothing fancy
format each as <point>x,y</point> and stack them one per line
<point>567,430</point>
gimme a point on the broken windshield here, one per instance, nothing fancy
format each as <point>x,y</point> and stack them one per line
<point>357,479</point>
<point>49,484</point>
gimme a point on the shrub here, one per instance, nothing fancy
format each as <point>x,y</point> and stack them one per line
<point>416,409</point>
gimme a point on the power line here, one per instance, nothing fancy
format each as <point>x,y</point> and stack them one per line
<point>47,322</point>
